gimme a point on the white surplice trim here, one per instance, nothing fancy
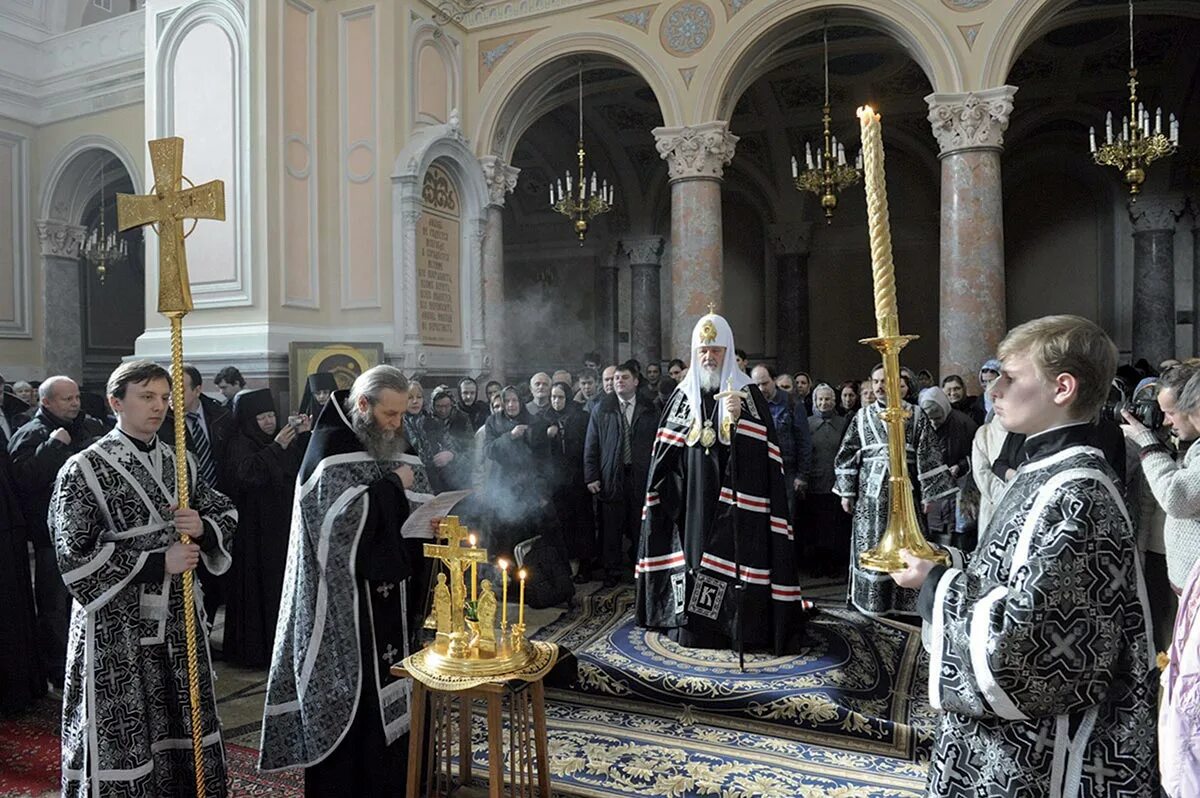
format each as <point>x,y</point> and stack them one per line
<point>980,639</point>
<point>1068,783</point>
<point>938,636</point>
<point>400,688</point>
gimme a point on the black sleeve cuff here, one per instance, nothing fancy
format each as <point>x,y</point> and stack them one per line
<point>207,541</point>
<point>928,590</point>
<point>153,570</point>
<point>1000,468</point>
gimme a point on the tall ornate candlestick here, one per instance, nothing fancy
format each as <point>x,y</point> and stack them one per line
<point>521,604</point>
<point>903,531</point>
<point>503,595</point>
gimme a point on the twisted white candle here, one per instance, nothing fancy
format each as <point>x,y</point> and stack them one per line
<point>883,271</point>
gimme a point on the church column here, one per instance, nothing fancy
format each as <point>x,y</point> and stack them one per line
<point>62,327</point>
<point>608,268</point>
<point>696,158</point>
<point>501,180</point>
<point>645,266</point>
<point>970,132</point>
<point>791,242</point>
<point>1154,221</point>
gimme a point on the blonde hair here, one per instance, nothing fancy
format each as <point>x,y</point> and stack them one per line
<point>1067,345</point>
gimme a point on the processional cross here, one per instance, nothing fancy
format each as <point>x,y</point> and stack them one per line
<point>165,209</point>
<point>458,559</point>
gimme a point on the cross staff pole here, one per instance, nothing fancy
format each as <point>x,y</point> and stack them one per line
<point>165,208</point>
<point>739,587</point>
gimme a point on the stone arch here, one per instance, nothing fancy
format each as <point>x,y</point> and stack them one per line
<point>514,92</point>
<point>1031,19</point>
<point>66,199</point>
<point>742,59</point>
<point>426,42</point>
<point>446,145</point>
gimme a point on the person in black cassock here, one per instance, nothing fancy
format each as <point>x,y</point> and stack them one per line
<point>261,465</point>
<point>22,680</point>
<point>332,705</point>
<point>716,562</point>
<point>572,501</point>
<point>317,390</point>
<point>518,445</point>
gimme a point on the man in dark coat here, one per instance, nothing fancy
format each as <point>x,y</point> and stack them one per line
<point>38,450</point>
<point>207,429</point>
<point>616,462</point>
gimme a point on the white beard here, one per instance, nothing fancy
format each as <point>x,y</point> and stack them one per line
<point>710,379</point>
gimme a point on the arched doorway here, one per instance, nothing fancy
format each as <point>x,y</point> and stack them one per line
<point>92,315</point>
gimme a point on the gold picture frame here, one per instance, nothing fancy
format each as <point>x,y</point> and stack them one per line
<point>344,360</point>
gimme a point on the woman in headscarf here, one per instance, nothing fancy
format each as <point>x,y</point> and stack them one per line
<point>492,390</point>
<point>831,526</point>
<point>414,418</point>
<point>483,465</point>
<point>955,433</point>
<point>261,465</point>
<point>448,442</point>
<point>518,447</point>
<point>317,390</point>
<point>572,501</point>
<point>848,397</point>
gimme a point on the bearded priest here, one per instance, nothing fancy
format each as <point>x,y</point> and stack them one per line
<point>716,510</point>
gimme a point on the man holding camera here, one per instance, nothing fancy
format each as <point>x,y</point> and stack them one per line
<point>1174,485</point>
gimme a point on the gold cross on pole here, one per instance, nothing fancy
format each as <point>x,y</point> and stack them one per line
<point>455,534</point>
<point>712,308</point>
<point>167,207</point>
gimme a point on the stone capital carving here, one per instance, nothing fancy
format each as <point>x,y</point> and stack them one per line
<point>1151,214</point>
<point>696,151</point>
<point>501,179</point>
<point>790,238</point>
<point>971,121</point>
<point>644,250</point>
<point>60,239</point>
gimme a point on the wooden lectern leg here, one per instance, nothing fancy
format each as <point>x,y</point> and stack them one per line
<point>465,705</point>
<point>416,739</point>
<point>495,745</point>
<point>539,733</point>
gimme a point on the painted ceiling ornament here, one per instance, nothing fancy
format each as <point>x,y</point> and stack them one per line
<point>686,28</point>
<point>966,5</point>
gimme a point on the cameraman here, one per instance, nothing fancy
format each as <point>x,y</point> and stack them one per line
<point>1175,486</point>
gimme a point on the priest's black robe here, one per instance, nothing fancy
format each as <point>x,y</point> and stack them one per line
<point>261,477</point>
<point>700,517</point>
<point>332,705</point>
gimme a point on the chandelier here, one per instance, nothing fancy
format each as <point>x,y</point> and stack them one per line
<point>1137,144</point>
<point>102,247</point>
<point>582,201</point>
<point>829,174</point>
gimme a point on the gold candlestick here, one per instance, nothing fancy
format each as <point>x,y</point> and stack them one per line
<point>903,531</point>
<point>474,573</point>
<point>503,596</point>
<point>521,604</point>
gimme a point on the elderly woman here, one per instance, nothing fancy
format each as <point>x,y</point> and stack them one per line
<point>518,446</point>
<point>447,444</point>
<point>261,464</point>
<point>828,525</point>
<point>572,501</point>
<point>955,433</point>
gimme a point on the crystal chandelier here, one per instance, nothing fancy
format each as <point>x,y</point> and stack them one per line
<point>1137,144</point>
<point>102,247</point>
<point>829,174</point>
<point>583,200</point>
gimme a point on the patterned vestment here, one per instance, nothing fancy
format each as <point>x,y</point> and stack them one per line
<point>861,473</point>
<point>1041,655</point>
<point>126,708</point>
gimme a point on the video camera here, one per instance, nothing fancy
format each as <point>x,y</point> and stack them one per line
<point>1142,405</point>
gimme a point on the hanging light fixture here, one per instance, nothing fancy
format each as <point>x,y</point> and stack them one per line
<point>828,174</point>
<point>1137,144</point>
<point>581,201</point>
<point>103,248</point>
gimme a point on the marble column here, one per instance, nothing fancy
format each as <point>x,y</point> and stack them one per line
<point>1154,220</point>
<point>1196,281</point>
<point>645,267</point>
<point>969,129</point>
<point>62,317</point>
<point>696,158</point>
<point>791,242</point>
<point>501,180</point>
<point>608,319</point>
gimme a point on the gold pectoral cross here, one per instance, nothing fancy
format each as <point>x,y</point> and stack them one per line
<point>167,207</point>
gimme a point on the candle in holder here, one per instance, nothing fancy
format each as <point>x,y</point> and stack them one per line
<point>521,605</point>
<point>883,271</point>
<point>503,593</point>
<point>474,573</point>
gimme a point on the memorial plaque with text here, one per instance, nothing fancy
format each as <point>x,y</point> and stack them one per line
<point>439,232</point>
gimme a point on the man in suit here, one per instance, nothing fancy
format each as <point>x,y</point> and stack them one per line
<point>616,462</point>
<point>208,427</point>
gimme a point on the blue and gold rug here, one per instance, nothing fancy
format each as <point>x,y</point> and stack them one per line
<point>858,684</point>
